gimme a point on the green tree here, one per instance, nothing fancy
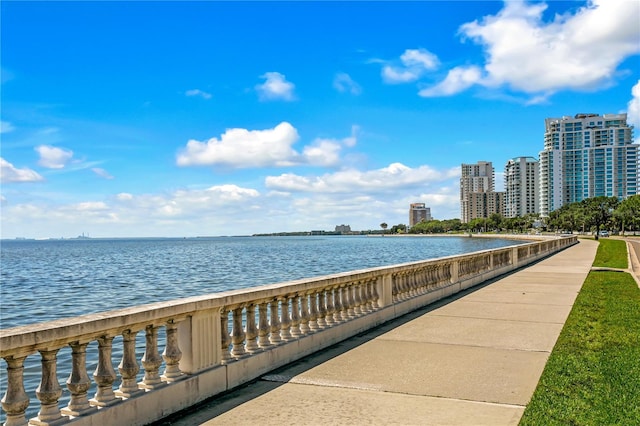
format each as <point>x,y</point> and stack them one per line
<point>399,229</point>
<point>598,211</point>
<point>478,224</point>
<point>628,214</point>
<point>494,222</point>
<point>384,226</point>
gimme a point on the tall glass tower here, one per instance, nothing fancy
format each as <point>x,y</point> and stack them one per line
<point>587,156</point>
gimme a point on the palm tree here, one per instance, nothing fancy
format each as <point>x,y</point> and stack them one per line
<point>383,225</point>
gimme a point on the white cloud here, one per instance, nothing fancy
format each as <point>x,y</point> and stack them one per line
<point>353,139</point>
<point>244,148</point>
<point>208,211</point>
<point>323,152</point>
<point>229,209</point>
<point>52,157</point>
<point>6,127</point>
<point>344,83</point>
<point>579,51</point>
<point>275,87</point>
<point>124,196</point>
<point>9,173</point>
<point>421,58</point>
<point>457,80</point>
<point>89,206</point>
<point>414,64</point>
<point>198,92</point>
<point>393,177</point>
<point>102,173</point>
<point>633,108</point>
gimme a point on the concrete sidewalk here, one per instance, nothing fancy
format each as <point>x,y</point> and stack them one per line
<point>473,359</point>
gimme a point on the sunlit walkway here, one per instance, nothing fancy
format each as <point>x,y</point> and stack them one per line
<point>472,359</point>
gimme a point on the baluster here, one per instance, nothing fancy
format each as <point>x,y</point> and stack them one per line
<point>285,319</point>
<point>172,353</point>
<point>225,339</point>
<point>337,305</point>
<point>395,291</point>
<point>15,400</point>
<point>78,382</point>
<point>237,333</point>
<point>412,283</point>
<point>407,285</point>
<point>251,333</point>
<point>403,286</point>
<point>371,291</point>
<point>357,300</point>
<point>128,366</point>
<point>295,316</point>
<point>275,323</point>
<point>375,297</point>
<point>347,302</point>
<point>440,275</point>
<point>304,308</point>
<point>313,312</point>
<point>49,390</point>
<point>263,329</point>
<point>429,278</point>
<point>365,295</point>
<point>435,276</point>
<point>151,360</point>
<point>330,308</point>
<point>105,375</point>
<point>322,310</point>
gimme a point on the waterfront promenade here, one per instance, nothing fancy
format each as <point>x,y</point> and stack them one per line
<point>472,359</point>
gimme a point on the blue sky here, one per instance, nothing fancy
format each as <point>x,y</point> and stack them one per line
<point>124,119</point>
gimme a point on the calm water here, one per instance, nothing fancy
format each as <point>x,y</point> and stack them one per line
<point>46,280</point>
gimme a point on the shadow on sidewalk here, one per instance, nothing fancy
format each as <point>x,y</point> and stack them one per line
<point>224,402</point>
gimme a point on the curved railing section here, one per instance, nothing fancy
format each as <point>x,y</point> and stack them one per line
<point>216,342</point>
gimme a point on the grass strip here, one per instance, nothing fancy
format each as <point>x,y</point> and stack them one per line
<point>592,376</point>
<point>612,253</point>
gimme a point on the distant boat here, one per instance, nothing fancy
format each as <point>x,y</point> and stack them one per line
<point>83,237</point>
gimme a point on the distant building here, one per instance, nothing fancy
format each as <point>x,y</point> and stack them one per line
<point>418,212</point>
<point>343,229</point>
<point>478,198</point>
<point>587,156</point>
<point>521,176</point>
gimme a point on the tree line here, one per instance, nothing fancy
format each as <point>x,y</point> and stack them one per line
<point>589,215</point>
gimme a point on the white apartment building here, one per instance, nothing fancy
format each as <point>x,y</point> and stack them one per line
<point>587,156</point>
<point>477,192</point>
<point>521,178</point>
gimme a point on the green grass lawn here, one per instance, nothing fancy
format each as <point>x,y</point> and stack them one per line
<point>612,253</point>
<point>592,376</point>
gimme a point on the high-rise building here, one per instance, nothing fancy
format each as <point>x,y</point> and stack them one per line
<point>521,176</point>
<point>587,156</point>
<point>478,198</point>
<point>418,212</point>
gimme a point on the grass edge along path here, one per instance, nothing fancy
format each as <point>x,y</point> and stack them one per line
<point>612,253</point>
<point>592,376</point>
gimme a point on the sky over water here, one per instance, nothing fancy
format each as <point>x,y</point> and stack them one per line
<point>224,118</point>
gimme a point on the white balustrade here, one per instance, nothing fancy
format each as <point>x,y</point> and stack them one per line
<point>198,341</point>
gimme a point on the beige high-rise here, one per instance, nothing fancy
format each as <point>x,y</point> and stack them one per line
<point>478,198</point>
